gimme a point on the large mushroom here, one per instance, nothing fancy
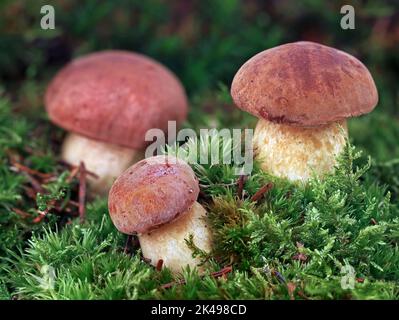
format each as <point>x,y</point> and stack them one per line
<point>107,101</point>
<point>156,199</point>
<point>302,93</point>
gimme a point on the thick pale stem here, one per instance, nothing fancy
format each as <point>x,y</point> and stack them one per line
<point>168,241</point>
<point>297,153</point>
<point>106,160</point>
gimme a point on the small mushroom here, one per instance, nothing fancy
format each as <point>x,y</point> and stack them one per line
<point>302,93</point>
<point>107,101</point>
<point>156,199</point>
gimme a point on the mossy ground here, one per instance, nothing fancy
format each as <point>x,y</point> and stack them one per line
<point>292,243</point>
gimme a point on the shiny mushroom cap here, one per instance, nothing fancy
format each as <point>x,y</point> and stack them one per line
<point>151,193</point>
<point>304,84</point>
<point>115,97</point>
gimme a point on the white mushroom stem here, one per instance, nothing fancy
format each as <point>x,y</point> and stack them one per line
<point>297,153</point>
<point>168,241</point>
<point>106,160</point>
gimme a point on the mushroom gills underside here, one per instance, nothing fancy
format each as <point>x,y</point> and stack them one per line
<point>168,243</point>
<point>297,153</point>
<point>107,161</point>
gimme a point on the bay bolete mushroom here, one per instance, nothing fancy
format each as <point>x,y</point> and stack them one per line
<point>156,199</point>
<point>107,101</point>
<point>302,93</point>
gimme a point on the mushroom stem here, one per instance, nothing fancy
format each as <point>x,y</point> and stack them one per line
<point>297,153</point>
<point>168,241</point>
<point>106,160</point>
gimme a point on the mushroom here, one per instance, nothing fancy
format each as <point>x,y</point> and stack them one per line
<point>156,199</point>
<point>302,93</point>
<point>107,101</point>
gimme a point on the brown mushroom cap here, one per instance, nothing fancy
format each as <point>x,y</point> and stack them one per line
<point>304,84</point>
<point>115,97</point>
<point>152,192</point>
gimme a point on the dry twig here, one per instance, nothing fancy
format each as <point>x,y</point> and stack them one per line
<point>261,192</point>
<point>241,183</point>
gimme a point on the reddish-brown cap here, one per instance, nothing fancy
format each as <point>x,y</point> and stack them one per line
<point>115,97</point>
<point>304,84</point>
<point>152,192</point>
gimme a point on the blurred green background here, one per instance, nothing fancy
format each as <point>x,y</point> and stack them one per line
<point>204,43</point>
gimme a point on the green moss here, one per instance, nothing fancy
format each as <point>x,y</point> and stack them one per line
<point>329,222</point>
